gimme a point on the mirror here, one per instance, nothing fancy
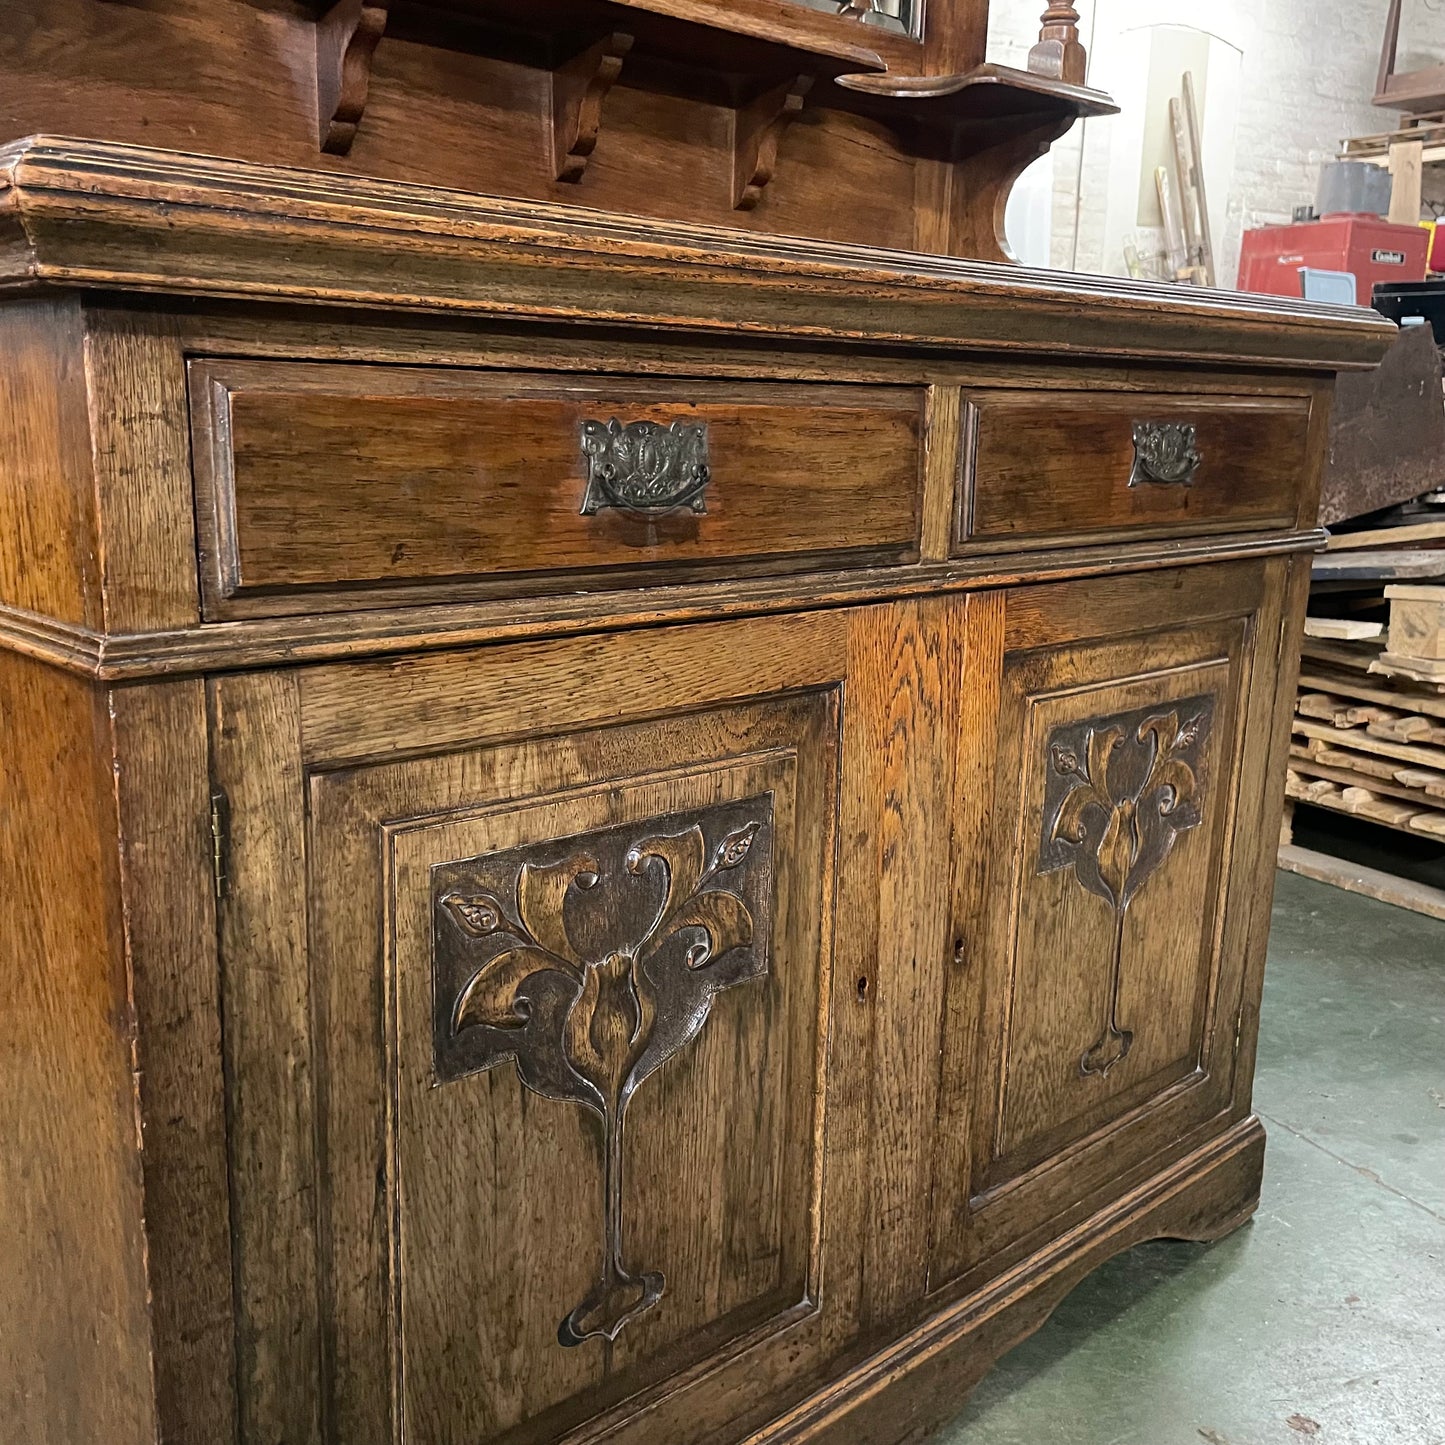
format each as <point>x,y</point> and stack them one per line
<point>902,17</point>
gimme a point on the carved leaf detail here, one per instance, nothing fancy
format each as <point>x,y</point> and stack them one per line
<point>491,998</point>
<point>685,856</point>
<point>1092,790</point>
<point>724,919</point>
<point>477,914</point>
<point>736,846</point>
<point>540,895</point>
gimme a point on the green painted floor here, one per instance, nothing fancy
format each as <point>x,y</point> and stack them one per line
<point>1324,1318</point>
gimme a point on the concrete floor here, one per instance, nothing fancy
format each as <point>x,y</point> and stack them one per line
<point>1324,1317</point>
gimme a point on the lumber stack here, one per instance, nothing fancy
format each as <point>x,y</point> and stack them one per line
<point>1369,724</point>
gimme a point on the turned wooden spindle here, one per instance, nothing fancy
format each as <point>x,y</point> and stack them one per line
<point>1059,52</point>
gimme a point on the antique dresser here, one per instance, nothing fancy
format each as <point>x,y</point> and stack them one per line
<point>639,783</point>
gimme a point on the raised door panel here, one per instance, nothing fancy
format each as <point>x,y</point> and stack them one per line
<point>1092,1012</point>
<point>564,1007</point>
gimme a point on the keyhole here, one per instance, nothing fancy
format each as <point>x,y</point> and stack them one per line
<point>863,989</point>
<point>958,958</point>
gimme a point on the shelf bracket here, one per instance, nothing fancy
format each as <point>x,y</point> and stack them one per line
<point>579,88</point>
<point>758,127</point>
<point>1059,52</point>
<point>346,39</point>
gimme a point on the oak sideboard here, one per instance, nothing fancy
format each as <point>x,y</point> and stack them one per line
<point>612,831</point>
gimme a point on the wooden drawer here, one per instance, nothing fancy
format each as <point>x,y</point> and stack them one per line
<point>316,482</point>
<point>1045,466</point>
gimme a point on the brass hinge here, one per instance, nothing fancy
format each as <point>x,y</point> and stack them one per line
<point>220,838</point>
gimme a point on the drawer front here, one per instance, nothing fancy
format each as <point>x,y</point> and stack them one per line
<point>1053,466</point>
<point>325,479</point>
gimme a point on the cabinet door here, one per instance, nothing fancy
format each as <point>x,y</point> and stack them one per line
<point>547,1116</point>
<point>1112,825</point>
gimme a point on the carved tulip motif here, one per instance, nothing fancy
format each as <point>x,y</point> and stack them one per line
<point>591,1001</point>
<point>1120,792</point>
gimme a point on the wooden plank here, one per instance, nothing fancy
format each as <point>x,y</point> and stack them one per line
<point>266,1004</point>
<point>1340,712</point>
<point>1340,737</point>
<point>1410,728</point>
<point>1361,803</point>
<point>1348,778</point>
<point>904,665</point>
<point>1407,181</point>
<point>1379,809</point>
<point>1369,882</point>
<point>1344,628</point>
<point>1381,565</point>
<point>75,1325</point>
<point>1427,673</point>
<point>1356,656</point>
<point>1387,536</point>
<point>1355,763</point>
<point>1427,703</point>
<point>1422,778</point>
<point>1310,790</point>
<point>163,802</point>
<point>1318,705</point>
<point>1196,150</point>
<point>1417,622</point>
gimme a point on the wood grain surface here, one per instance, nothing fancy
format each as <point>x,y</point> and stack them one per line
<point>91,213</point>
<point>75,1323</point>
<point>316,477</point>
<point>1048,464</point>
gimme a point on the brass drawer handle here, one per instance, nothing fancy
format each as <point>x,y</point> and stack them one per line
<point>1164,452</point>
<point>643,466</point>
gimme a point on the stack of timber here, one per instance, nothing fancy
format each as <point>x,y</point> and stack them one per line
<point>1369,724</point>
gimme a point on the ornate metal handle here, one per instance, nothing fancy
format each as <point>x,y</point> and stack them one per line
<point>643,466</point>
<point>1164,452</point>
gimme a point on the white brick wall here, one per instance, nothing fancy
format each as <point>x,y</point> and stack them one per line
<point>1307,73</point>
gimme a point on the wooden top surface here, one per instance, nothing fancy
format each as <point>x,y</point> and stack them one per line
<point>77,213</point>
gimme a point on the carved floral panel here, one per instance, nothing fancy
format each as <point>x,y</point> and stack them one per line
<point>1120,791</point>
<point>591,961</point>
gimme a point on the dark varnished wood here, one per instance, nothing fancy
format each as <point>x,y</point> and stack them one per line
<point>759,127</point>
<point>316,478</point>
<point>1040,463</point>
<point>675,910</point>
<point>579,89</point>
<point>163,799</point>
<point>346,40</point>
<point>450,94</point>
<point>1035,1006</point>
